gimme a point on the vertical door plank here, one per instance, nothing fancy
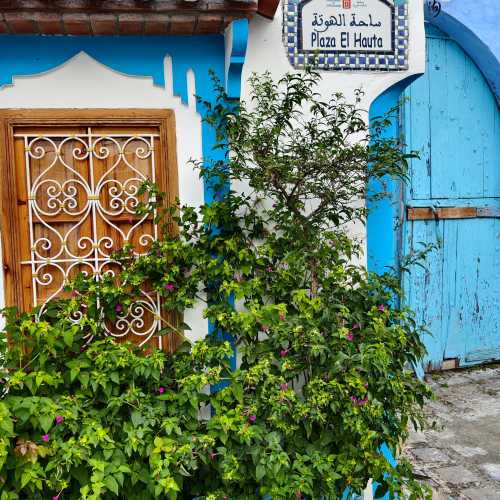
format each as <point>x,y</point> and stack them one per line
<point>26,300</point>
<point>417,137</point>
<point>441,116</point>
<point>423,286</point>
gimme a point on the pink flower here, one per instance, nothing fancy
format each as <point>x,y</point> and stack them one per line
<point>381,308</point>
<point>56,497</point>
<point>158,253</point>
<point>366,385</point>
<point>45,438</point>
<point>169,287</point>
<point>356,326</point>
<point>282,316</point>
<point>284,353</point>
<point>350,336</point>
<point>59,419</point>
<point>161,390</point>
<point>358,401</point>
<point>252,419</point>
<point>269,269</point>
<point>284,387</point>
<point>118,308</point>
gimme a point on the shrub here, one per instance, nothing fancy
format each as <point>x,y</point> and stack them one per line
<point>325,349</point>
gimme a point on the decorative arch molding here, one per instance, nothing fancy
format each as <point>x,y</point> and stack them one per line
<point>473,24</point>
<point>385,215</point>
<point>135,56</point>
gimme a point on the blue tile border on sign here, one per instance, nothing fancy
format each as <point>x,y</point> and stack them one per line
<point>338,60</point>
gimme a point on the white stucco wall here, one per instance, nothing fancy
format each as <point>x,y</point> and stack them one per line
<point>83,82</point>
<point>266,52</point>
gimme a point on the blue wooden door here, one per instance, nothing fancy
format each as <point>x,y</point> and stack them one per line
<point>452,201</point>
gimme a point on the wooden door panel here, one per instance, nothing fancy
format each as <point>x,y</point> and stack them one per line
<point>452,201</point>
<point>424,286</point>
<point>474,267</point>
<point>452,119</point>
<point>76,191</point>
<point>416,124</point>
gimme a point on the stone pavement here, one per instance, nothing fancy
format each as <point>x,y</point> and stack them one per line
<point>460,456</point>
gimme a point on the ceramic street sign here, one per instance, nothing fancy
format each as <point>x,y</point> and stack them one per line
<point>346,34</point>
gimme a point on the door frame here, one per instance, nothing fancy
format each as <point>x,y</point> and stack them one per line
<point>164,119</point>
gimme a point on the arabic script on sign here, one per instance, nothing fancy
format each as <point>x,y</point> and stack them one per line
<point>347,25</point>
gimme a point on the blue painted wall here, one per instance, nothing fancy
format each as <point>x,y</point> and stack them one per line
<point>384,218</point>
<point>381,226</point>
<point>474,25</point>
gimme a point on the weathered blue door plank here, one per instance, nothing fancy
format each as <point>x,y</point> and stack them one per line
<point>416,126</point>
<point>424,284</point>
<point>474,263</point>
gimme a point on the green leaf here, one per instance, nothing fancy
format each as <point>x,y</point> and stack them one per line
<point>260,472</point>
<point>84,379</point>
<point>137,418</point>
<point>111,484</point>
<point>25,478</point>
<point>237,391</point>
<point>68,337</point>
<point>46,422</point>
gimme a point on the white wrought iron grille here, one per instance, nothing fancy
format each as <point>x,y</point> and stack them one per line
<point>83,191</point>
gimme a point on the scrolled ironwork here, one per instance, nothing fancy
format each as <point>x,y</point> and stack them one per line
<point>83,191</point>
<point>434,7</point>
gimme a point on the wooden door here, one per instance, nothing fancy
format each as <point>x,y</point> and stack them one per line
<point>70,197</point>
<point>453,202</point>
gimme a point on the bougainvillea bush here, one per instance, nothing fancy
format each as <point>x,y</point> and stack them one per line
<point>322,378</point>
